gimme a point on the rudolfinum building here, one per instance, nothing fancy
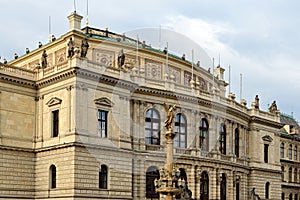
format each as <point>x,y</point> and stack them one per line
<point>82,117</point>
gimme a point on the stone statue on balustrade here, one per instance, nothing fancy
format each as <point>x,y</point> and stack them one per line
<point>121,59</point>
<point>273,107</point>
<point>44,59</point>
<point>256,102</point>
<point>71,48</point>
<point>84,47</point>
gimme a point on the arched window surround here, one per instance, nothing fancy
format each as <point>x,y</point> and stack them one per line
<point>152,127</point>
<point>204,134</point>
<point>52,177</point>
<point>180,128</point>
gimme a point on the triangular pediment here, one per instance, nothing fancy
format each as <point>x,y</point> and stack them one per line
<point>267,138</point>
<point>103,101</point>
<point>54,101</point>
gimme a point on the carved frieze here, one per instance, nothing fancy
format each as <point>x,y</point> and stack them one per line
<point>104,57</point>
<point>50,60</point>
<point>60,56</point>
<point>33,64</point>
<point>175,72</point>
<point>187,78</point>
<point>203,84</point>
<point>130,62</point>
<point>153,69</point>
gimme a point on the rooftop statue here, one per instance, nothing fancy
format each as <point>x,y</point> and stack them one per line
<point>273,107</point>
<point>256,103</point>
<point>170,116</point>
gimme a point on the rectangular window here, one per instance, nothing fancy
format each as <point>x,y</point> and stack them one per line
<point>102,123</point>
<point>266,153</point>
<point>55,123</point>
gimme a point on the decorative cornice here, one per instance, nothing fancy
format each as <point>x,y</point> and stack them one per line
<point>17,81</point>
<point>57,77</point>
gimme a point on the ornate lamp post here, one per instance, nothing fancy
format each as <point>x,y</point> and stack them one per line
<point>169,183</point>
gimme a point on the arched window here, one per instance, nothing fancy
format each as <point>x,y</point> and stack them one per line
<point>204,127</point>
<point>267,190</point>
<point>151,174</point>
<point>204,186</point>
<point>52,177</point>
<point>180,130</point>
<point>290,151</point>
<point>236,142</point>
<point>223,187</point>
<point>296,197</point>
<point>282,150</point>
<point>103,177</point>
<point>282,196</point>
<point>295,153</point>
<point>152,129</point>
<point>295,175</point>
<point>290,174</point>
<point>291,196</point>
<point>184,177</point>
<point>222,139</point>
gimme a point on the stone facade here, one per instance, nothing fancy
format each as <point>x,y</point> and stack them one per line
<point>78,128</point>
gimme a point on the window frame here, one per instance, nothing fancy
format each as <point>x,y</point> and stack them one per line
<point>150,140</point>
<point>295,152</point>
<point>103,177</point>
<point>282,150</point>
<point>152,173</point>
<point>55,123</point>
<point>266,153</point>
<point>101,120</point>
<point>204,134</point>
<point>180,123</point>
<point>237,142</point>
<point>52,177</point>
<point>267,190</point>
<point>222,139</point>
<point>290,152</point>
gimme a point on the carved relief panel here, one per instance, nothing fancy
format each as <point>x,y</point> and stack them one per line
<point>60,56</point>
<point>203,84</point>
<point>187,78</point>
<point>33,64</point>
<point>175,72</point>
<point>50,60</point>
<point>104,57</point>
<point>130,61</point>
<point>153,69</point>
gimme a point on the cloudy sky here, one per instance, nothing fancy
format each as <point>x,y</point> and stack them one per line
<point>259,39</point>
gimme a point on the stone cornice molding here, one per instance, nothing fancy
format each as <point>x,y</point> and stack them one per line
<point>17,81</point>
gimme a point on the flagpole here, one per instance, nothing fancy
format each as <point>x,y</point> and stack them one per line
<point>167,58</point>
<point>192,64</point>
<point>137,52</point>
<point>241,90</point>
<point>229,79</point>
<point>213,72</point>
